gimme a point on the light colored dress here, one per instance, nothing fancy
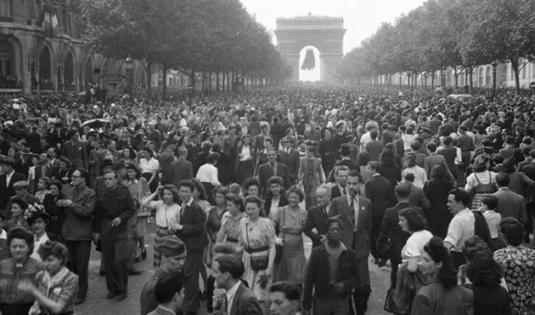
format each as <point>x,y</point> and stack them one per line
<point>260,234</point>
<point>292,263</point>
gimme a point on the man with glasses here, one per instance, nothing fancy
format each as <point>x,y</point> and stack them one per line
<point>113,209</point>
<point>79,205</point>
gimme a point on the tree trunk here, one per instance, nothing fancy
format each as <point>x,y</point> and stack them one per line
<point>433,80</point>
<point>149,78</point>
<point>456,81</point>
<point>192,79</point>
<point>514,65</point>
<point>471,79</point>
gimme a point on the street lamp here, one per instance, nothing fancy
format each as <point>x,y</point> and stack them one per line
<point>129,66</point>
<point>494,66</point>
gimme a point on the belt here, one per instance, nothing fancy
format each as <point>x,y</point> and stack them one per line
<point>232,240</point>
<point>256,250</point>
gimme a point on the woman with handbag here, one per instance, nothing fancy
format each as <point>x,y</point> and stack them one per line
<point>291,224</point>
<point>257,238</point>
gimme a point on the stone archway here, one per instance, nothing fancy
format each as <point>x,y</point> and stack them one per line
<point>7,64</point>
<point>45,69</point>
<point>309,64</point>
<point>324,33</point>
<point>68,72</point>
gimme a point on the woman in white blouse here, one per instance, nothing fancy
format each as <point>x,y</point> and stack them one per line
<point>149,168</point>
<point>167,214</point>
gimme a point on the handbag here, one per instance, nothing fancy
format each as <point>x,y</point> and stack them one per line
<point>279,245</point>
<point>259,257</point>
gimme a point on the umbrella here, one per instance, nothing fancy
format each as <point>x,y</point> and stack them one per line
<point>96,123</point>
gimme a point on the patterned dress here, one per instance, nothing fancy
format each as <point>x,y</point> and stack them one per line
<point>291,266</point>
<point>256,235</point>
<point>518,265</point>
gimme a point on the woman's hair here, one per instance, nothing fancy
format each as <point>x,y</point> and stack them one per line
<point>438,171</point>
<point>56,183</point>
<point>447,274</point>
<point>296,190</point>
<point>411,159</point>
<point>512,231</point>
<point>275,180</point>
<point>173,191</point>
<point>475,246</point>
<point>45,180</point>
<point>22,204</point>
<point>415,221</point>
<point>21,234</point>
<point>236,200</point>
<point>480,163</point>
<point>255,200</point>
<point>220,190</point>
<point>56,249</point>
<point>291,291</point>
<point>200,188</point>
<point>251,181</point>
<point>484,271</point>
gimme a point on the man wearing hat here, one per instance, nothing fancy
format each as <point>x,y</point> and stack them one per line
<point>21,193</point>
<point>173,252</point>
<point>290,156</point>
<point>7,179</point>
<point>169,294</point>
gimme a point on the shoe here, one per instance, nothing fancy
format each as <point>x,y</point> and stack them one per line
<point>79,300</point>
<point>134,272</point>
<point>121,296</point>
<point>111,295</point>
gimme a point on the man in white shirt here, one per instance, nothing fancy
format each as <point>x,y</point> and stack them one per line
<point>207,173</point>
<point>461,227</point>
<point>227,271</point>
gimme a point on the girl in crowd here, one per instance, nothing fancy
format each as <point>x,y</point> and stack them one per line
<point>276,196</point>
<point>230,227</point>
<point>311,174</point>
<point>18,208</point>
<point>150,167</point>
<point>43,186</point>
<point>139,189</point>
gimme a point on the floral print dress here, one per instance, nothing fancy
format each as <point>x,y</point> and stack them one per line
<point>518,265</point>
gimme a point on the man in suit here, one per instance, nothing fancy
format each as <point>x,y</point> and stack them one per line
<point>510,204</point>
<point>390,229</point>
<point>374,147</point>
<point>75,150</point>
<point>181,169</point>
<point>354,212</point>
<point>290,157</point>
<point>52,166</point>
<point>112,211</point>
<point>434,159</point>
<point>340,180</point>
<point>272,168</point>
<point>227,271</point>
<point>7,179</point>
<point>316,222</point>
<point>192,231</point>
<point>381,195</point>
<point>345,154</point>
<point>79,205</point>
<point>417,197</point>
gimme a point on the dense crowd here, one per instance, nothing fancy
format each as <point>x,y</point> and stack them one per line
<point>227,188</point>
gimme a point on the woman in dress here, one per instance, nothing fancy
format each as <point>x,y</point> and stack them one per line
<point>276,196</point>
<point>442,295</point>
<point>139,189</point>
<point>517,263</point>
<point>481,182</point>
<point>56,286</point>
<point>57,213</point>
<point>229,232</point>
<point>311,175</point>
<point>257,238</point>
<point>436,190</point>
<point>167,216</point>
<point>17,268</point>
<point>290,221</point>
<point>214,221</point>
<point>150,167</point>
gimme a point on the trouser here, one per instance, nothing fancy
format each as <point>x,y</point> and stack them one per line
<point>361,294</point>
<point>115,253</point>
<point>15,309</point>
<point>192,268</point>
<point>79,254</point>
<point>338,305</point>
<point>376,227</point>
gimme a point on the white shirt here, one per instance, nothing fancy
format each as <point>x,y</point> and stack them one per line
<point>230,295</point>
<point>8,177</point>
<point>460,229</point>
<point>207,173</point>
<point>36,243</point>
<point>415,244</point>
<point>149,166</point>
<point>166,216</point>
<point>245,153</point>
<point>420,176</point>
<point>493,219</point>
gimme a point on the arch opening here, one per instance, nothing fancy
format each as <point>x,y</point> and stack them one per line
<point>8,77</point>
<point>309,64</point>
<point>69,72</point>
<point>45,69</point>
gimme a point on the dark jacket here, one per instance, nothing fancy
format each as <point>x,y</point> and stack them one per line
<point>8,191</point>
<point>381,195</point>
<point>245,302</point>
<point>113,203</point>
<point>193,234</point>
<point>265,171</point>
<point>283,201</point>
<point>317,274</point>
<point>291,159</point>
<point>316,218</point>
<point>181,170</point>
<point>79,216</point>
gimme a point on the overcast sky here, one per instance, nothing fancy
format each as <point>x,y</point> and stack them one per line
<point>361,17</point>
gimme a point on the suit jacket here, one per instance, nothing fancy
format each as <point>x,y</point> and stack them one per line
<point>161,311</point>
<point>390,229</point>
<point>291,159</point>
<point>181,170</point>
<point>357,238</point>
<point>193,234</point>
<point>335,192</point>
<point>381,195</point>
<point>317,219</point>
<point>265,171</point>
<point>7,191</point>
<point>511,204</point>
<point>417,198</point>
<point>245,302</point>
<point>76,152</point>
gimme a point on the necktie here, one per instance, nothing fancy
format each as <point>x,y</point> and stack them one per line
<point>343,191</point>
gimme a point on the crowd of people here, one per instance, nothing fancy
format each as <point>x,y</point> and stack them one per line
<point>227,188</point>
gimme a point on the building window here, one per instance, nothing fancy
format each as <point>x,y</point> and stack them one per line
<point>5,7</point>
